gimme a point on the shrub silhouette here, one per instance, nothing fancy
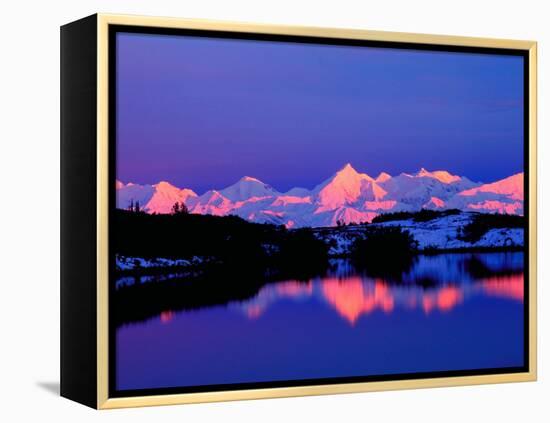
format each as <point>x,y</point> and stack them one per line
<point>382,240</point>
<point>482,223</point>
<point>229,239</point>
<point>423,215</point>
<point>385,251</point>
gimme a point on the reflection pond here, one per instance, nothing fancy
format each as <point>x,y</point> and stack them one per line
<point>444,312</point>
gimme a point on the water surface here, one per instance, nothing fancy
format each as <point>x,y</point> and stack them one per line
<point>445,312</point>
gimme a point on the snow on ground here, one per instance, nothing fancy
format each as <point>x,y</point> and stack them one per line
<point>437,234</point>
<point>133,263</point>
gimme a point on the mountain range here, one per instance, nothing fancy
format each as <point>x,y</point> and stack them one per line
<point>347,196</point>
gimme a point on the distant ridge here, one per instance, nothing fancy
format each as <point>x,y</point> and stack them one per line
<point>347,196</point>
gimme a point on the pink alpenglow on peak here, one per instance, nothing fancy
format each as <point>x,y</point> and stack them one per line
<point>504,196</point>
<point>511,187</point>
<point>383,177</point>
<point>435,203</point>
<point>345,187</point>
<point>347,196</point>
<point>157,198</point>
<point>413,191</point>
<point>166,195</point>
<point>211,202</point>
<point>440,175</point>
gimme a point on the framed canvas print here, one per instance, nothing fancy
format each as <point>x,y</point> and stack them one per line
<point>254,211</point>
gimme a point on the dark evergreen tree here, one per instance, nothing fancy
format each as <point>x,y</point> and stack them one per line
<point>176,208</point>
<point>179,208</point>
<point>183,208</point>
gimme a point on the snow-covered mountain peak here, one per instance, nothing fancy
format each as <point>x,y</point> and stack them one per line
<point>158,198</point>
<point>209,196</point>
<point>347,176</point>
<point>164,186</point>
<point>298,192</point>
<point>504,196</point>
<point>347,168</point>
<point>349,172</point>
<point>511,186</point>
<point>171,192</point>
<point>347,196</point>
<point>422,172</point>
<point>249,179</point>
<point>383,177</point>
<point>246,188</point>
<point>345,187</point>
<point>440,175</point>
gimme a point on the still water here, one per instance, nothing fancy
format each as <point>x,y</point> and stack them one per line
<point>446,312</point>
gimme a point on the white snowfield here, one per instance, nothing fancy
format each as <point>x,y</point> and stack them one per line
<point>438,234</point>
<point>348,196</point>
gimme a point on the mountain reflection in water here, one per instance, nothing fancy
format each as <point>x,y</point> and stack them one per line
<point>445,312</point>
<point>355,296</point>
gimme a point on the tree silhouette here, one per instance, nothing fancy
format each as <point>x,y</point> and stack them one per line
<point>183,208</point>
<point>180,208</point>
<point>131,206</point>
<point>137,208</point>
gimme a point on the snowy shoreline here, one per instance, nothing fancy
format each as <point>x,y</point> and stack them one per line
<point>436,236</point>
<point>130,264</point>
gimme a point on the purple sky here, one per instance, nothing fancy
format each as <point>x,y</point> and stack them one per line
<point>202,112</point>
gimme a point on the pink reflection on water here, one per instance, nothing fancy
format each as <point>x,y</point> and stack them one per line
<point>351,298</point>
<point>444,299</point>
<point>294,288</point>
<point>505,286</point>
<point>272,293</point>
<point>166,316</point>
<point>254,311</point>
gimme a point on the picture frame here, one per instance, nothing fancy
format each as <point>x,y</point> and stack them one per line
<point>89,202</point>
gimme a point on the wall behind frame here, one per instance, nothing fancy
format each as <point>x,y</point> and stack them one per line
<point>30,154</point>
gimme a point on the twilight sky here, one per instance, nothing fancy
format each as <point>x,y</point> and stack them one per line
<point>202,112</point>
